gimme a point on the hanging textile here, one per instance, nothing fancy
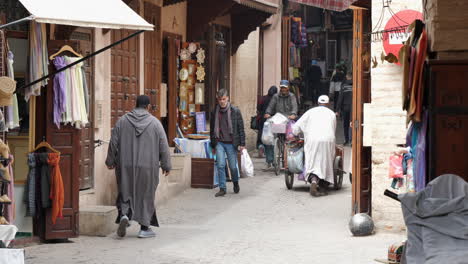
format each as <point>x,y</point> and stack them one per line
<point>38,58</point>
<point>56,186</point>
<point>30,188</point>
<point>10,212</point>
<point>12,113</point>
<point>2,52</point>
<point>71,100</point>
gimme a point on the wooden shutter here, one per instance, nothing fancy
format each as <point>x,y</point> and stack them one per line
<point>362,156</point>
<point>153,57</point>
<point>173,41</point>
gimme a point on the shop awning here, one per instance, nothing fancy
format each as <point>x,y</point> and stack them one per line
<point>246,16</point>
<point>335,5</point>
<point>112,14</point>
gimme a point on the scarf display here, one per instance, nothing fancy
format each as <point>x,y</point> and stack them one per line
<point>71,100</point>
<point>228,109</point>
<point>39,61</point>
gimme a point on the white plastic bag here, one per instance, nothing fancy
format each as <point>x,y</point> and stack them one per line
<point>267,135</point>
<point>279,118</point>
<point>247,164</point>
<point>296,160</point>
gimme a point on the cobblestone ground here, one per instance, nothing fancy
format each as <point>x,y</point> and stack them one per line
<point>264,223</point>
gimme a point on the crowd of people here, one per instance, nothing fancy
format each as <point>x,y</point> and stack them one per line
<point>138,140</point>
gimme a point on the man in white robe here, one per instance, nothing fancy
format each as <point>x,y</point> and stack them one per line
<point>318,126</point>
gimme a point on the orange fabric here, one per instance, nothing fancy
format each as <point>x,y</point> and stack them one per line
<point>56,186</point>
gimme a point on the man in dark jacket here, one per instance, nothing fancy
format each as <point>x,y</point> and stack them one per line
<point>344,106</point>
<point>313,84</point>
<point>227,135</point>
<point>284,102</point>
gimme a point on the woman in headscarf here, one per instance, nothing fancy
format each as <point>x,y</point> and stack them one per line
<point>262,105</point>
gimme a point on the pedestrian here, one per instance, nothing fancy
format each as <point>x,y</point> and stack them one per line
<point>261,109</point>
<point>283,102</point>
<point>345,105</point>
<point>318,126</point>
<point>227,137</point>
<point>137,149</point>
<point>313,84</point>
<point>338,77</point>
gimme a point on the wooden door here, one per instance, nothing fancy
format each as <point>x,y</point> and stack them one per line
<point>84,37</point>
<point>153,57</point>
<point>362,156</point>
<point>173,43</point>
<point>125,80</point>
<point>285,53</point>
<point>67,141</point>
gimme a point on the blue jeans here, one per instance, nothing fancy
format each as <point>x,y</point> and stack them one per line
<point>269,153</point>
<point>223,149</point>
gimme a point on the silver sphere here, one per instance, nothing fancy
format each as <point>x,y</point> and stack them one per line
<point>361,225</point>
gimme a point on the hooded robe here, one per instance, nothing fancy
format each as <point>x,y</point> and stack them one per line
<point>138,148</point>
<point>318,125</point>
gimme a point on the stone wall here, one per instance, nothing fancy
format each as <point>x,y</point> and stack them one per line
<point>244,83</point>
<point>388,125</point>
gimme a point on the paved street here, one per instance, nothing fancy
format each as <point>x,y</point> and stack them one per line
<point>265,223</point>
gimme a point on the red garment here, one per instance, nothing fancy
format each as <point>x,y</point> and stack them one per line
<point>56,186</point>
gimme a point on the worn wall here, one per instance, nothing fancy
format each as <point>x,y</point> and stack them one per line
<point>387,126</point>
<point>244,65</point>
<point>272,53</point>
<point>174,19</point>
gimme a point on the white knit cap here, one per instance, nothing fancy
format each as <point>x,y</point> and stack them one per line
<point>323,99</point>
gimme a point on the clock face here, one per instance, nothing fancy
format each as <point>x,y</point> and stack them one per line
<point>183,74</point>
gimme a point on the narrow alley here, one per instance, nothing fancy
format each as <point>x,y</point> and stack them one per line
<point>264,223</point>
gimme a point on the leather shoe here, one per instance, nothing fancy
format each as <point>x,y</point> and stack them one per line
<point>236,187</point>
<point>221,193</point>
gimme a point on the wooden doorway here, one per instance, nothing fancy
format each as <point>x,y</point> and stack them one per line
<point>171,48</point>
<point>153,58</point>
<point>362,156</point>
<point>124,74</point>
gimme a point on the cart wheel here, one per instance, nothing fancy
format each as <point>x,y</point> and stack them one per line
<point>338,172</point>
<point>277,162</point>
<point>288,179</point>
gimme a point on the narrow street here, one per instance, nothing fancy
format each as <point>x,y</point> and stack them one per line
<point>265,223</point>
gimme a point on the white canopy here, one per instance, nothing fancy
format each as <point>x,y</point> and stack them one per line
<point>113,14</point>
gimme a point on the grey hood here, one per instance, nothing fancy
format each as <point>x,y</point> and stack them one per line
<point>140,120</point>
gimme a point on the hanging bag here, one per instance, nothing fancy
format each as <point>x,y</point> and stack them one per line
<point>267,136</point>
<point>296,160</point>
<point>253,123</point>
<point>247,164</point>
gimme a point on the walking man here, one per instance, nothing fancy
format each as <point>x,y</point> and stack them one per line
<point>318,125</point>
<point>138,148</point>
<point>345,105</point>
<point>227,136</point>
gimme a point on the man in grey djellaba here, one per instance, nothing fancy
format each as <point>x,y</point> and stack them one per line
<point>138,148</point>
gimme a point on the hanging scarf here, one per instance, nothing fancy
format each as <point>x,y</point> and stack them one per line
<point>60,93</point>
<point>228,109</point>
<point>56,187</point>
<point>30,193</point>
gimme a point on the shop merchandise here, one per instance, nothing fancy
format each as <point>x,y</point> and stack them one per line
<point>39,61</point>
<point>11,112</point>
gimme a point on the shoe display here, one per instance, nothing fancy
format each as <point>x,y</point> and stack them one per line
<point>5,199</point>
<point>122,230</point>
<point>3,221</point>
<point>221,192</point>
<point>146,233</point>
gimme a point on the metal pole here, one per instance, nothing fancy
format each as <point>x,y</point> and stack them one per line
<point>29,18</point>
<point>83,59</point>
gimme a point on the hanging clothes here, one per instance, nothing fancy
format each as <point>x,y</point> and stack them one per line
<point>43,173</point>
<point>30,189</point>
<point>39,61</point>
<point>56,186</point>
<point>12,113</point>
<point>71,100</point>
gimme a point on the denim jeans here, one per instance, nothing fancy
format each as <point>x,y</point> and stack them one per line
<point>223,150</point>
<point>269,153</point>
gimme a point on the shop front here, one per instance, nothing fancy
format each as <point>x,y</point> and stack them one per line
<point>53,107</point>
